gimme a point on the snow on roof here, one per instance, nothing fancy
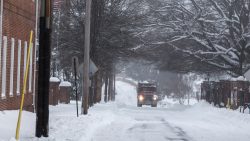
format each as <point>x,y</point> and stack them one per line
<point>147,84</point>
<point>144,81</point>
<point>65,84</point>
<point>54,79</point>
<point>240,78</point>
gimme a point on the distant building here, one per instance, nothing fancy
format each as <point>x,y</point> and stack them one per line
<point>17,19</point>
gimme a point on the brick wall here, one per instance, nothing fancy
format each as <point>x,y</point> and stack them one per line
<point>18,21</point>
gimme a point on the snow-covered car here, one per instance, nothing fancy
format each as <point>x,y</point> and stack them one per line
<point>146,94</point>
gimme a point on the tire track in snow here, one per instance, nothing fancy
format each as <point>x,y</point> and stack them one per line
<point>182,135</point>
<point>137,125</point>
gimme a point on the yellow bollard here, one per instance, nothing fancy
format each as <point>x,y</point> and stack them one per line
<point>24,88</point>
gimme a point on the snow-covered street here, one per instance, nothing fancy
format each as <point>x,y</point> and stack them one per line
<point>124,70</point>
<point>140,125</point>
<point>123,121</point>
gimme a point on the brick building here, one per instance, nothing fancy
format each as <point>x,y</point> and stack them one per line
<point>226,93</point>
<point>17,19</point>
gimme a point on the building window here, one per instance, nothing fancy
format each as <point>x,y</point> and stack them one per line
<point>19,66</point>
<point>25,61</point>
<point>4,66</point>
<point>12,65</point>
<point>30,69</point>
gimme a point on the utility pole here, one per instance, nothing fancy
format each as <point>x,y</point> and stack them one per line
<point>44,70</point>
<point>85,97</point>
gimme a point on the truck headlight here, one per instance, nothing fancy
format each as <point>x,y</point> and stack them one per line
<point>155,97</point>
<point>140,97</point>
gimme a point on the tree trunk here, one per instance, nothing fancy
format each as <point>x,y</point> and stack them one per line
<point>110,90</point>
<point>95,88</point>
<point>91,92</point>
<point>106,88</point>
<point>99,87</point>
<point>114,90</point>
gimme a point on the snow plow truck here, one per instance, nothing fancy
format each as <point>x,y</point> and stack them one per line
<point>146,94</point>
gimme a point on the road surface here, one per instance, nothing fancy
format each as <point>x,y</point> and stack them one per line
<point>140,124</point>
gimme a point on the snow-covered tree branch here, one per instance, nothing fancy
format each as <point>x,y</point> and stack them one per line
<point>218,29</point>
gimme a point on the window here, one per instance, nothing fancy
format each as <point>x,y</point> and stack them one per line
<point>25,60</point>
<point>30,68</point>
<point>19,66</point>
<point>12,66</point>
<point>4,67</point>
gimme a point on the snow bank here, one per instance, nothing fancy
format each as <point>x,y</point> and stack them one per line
<point>240,78</point>
<point>170,102</point>
<point>167,102</point>
<point>64,125</point>
<point>203,122</point>
<point>8,121</point>
<point>126,94</point>
<point>65,84</point>
<point>54,79</point>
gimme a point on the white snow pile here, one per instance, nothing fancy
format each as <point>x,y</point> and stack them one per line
<point>54,79</point>
<point>126,80</point>
<point>65,84</point>
<point>170,102</point>
<point>167,102</point>
<point>126,94</point>
<point>8,122</point>
<point>204,122</point>
<point>122,120</point>
<point>240,78</point>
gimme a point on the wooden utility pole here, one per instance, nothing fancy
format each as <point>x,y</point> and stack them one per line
<point>44,70</point>
<point>85,97</point>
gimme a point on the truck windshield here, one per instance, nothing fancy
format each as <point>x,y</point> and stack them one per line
<point>151,89</point>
